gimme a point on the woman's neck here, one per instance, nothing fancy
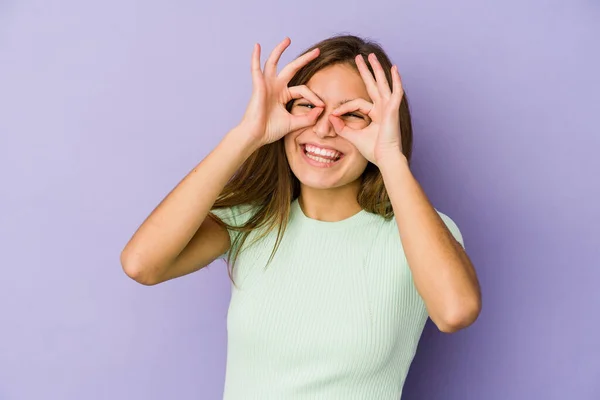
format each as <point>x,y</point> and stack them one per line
<point>329,205</point>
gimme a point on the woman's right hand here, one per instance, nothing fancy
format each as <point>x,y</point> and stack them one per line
<point>266,117</point>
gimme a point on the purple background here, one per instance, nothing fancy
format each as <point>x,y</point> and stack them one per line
<point>105,105</point>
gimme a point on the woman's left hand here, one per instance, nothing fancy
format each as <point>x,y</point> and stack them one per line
<point>381,138</point>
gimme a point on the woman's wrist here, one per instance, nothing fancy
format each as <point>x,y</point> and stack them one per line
<point>242,139</point>
<point>392,163</point>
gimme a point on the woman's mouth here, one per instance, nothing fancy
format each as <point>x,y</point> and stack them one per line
<point>320,157</point>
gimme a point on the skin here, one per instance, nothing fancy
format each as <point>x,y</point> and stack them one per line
<point>329,194</point>
<point>366,129</point>
<point>178,237</point>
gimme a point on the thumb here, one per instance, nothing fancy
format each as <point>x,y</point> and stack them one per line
<point>341,129</point>
<point>308,119</point>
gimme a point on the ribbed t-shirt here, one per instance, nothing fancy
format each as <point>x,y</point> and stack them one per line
<point>335,315</point>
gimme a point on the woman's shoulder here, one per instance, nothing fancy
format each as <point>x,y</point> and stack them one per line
<point>452,226</point>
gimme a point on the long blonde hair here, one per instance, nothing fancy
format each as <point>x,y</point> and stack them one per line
<point>265,180</point>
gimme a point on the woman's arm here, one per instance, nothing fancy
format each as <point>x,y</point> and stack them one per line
<point>442,271</point>
<point>177,238</point>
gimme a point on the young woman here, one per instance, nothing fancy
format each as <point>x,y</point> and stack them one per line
<point>337,256</point>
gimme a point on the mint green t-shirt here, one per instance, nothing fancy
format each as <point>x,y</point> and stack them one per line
<point>336,314</point>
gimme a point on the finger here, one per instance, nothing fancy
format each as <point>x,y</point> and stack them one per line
<point>337,123</point>
<point>397,89</point>
<point>354,105</point>
<point>271,64</point>
<point>288,72</point>
<point>342,129</point>
<point>382,83</point>
<point>255,64</point>
<point>367,78</point>
<point>308,119</point>
<point>302,91</point>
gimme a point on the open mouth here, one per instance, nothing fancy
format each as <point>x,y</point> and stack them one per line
<point>322,157</point>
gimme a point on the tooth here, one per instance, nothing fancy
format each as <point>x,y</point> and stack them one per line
<point>317,151</point>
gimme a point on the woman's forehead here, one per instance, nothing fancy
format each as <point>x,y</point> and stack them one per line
<point>338,84</point>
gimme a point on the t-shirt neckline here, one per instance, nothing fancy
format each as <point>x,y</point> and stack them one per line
<point>360,217</point>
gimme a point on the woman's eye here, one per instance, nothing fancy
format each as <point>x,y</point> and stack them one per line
<point>307,105</point>
<point>353,115</point>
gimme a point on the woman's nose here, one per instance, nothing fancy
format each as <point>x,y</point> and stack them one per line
<point>323,127</point>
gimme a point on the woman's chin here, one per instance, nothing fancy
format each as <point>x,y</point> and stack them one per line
<point>320,182</point>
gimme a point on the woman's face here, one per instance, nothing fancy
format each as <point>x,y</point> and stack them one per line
<point>318,157</point>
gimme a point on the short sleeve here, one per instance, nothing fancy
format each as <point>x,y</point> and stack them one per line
<point>236,215</point>
<point>453,228</point>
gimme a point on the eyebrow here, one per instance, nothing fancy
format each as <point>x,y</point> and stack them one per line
<point>343,102</point>
<point>338,104</point>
